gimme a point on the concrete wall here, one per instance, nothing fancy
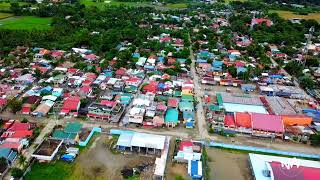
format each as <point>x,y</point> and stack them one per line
<point>84,143</point>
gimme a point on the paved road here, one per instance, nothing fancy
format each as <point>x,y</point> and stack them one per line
<point>201,121</point>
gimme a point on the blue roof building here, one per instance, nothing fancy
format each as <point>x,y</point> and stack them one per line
<point>195,169</point>
<point>9,154</point>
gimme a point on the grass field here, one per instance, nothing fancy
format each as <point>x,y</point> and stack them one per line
<point>290,15</point>
<point>228,1</point>
<point>4,6</point>
<point>101,4</point>
<point>5,15</point>
<point>26,23</point>
<point>50,171</point>
<point>177,6</point>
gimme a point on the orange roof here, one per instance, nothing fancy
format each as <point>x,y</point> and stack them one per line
<point>243,120</point>
<point>291,120</point>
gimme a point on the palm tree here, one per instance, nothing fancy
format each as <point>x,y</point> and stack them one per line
<point>22,160</point>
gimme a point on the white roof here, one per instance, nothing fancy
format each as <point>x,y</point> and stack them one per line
<point>266,88</point>
<point>151,60</point>
<point>148,140</point>
<point>139,101</point>
<point>61,69</point>
<point>112,81</point>
<point>49,97</point>
<point>135,110</point>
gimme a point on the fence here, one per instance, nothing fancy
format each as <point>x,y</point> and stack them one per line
<point>264,150</point>
<point>84,143</point>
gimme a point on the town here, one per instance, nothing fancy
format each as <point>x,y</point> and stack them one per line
<point>198,89</point>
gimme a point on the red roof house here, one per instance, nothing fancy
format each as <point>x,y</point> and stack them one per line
<point>259,21</point>
<point>173,102</point>
<point>18,130</point>
<point>229,121</point>
<point>120,72</point>
<point>85,91</point>
<point>268,123</point>
<point>3,103</point>
<point>71,105</point>
<point>26,108</point>
<point>185,145</point>
<point>243,120</point>
<point>151,87</point>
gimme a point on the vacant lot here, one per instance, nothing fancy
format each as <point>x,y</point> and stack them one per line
<point>5,15</point>
<point>291,15</point>
<point>94,162</point>
<point>26,23</point>
<point>228,165</point>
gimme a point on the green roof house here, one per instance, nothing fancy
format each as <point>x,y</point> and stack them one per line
<point>186,106</point>
<point>171,118</point>
<point>70,134</point>
<point>187,98</point>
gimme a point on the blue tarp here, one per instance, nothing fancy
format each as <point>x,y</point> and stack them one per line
<point>217,64</point>
<point>241,69</point>
<point>276,76</point>
<point>67,157</point>
<point>136,55</point>
<point>161,59</point>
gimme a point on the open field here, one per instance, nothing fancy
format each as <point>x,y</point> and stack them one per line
<point>228,165</point>
<point>111,2</point>
<point>177,6</point>
<point>290,15</point>
<point>5,6</point>
<point>26,23</point>
<point>5,15</point>
<point>95,162</point>
<point>133,4</point>
<point>228,1</point>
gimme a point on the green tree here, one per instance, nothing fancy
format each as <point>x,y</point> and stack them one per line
<point>22,160</point>
<point>293,68</point>
<point>37,73</point>
<point>315,139</point>
<point>306,82</point>
<point>16,172</point>
<point>3,162</point>
<point>14,105</point>
<point>232,70</point>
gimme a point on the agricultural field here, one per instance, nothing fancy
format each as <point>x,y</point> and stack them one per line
<point>101,4</point>
<point>177,6</point>
<point>5,15</point>
<point>26,23</point>
<point>291,15</point>
<point>4,6</point>
<point>228,1</point>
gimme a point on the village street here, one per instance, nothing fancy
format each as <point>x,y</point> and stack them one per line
<point>201,122</point>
